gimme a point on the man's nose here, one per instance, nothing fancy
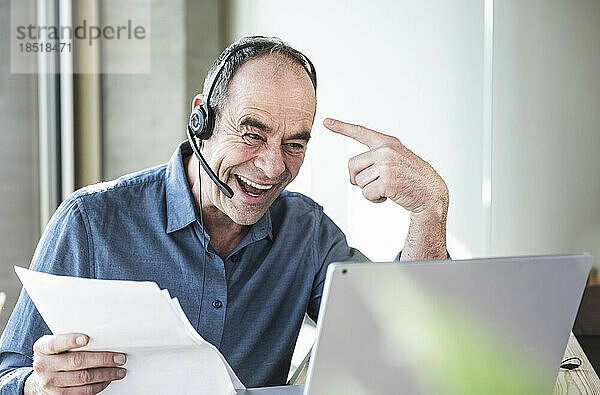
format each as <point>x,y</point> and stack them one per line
<point>270,161</point>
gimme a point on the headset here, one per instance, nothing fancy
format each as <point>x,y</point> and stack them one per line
<point>201,126</point>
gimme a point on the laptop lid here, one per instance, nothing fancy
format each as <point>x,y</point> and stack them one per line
<point>478,326</point>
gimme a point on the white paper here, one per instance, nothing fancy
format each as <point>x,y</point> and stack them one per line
<point>165,355</point>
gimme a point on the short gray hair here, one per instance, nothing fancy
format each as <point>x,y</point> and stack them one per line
<point>257,46</point>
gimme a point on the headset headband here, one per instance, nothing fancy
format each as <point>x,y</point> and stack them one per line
<point>310,69</point>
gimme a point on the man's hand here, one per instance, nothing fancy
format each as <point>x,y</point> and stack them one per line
<point>389,170</point>
<point>57,371</point>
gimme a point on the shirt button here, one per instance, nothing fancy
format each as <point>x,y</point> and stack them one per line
<point>234,258</point>
<point>217,304</point>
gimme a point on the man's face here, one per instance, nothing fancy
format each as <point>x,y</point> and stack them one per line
<point>260,136</point>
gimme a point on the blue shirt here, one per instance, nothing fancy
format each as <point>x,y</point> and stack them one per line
<point>144,226</point>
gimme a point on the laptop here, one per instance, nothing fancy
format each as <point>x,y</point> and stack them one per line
<point>481,326</point>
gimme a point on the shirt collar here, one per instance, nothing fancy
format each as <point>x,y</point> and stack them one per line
<point>180,202</point>
<point>260,230</point>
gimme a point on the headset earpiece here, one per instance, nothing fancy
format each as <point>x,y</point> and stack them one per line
<point>200,127</point>
<point>198,124</point>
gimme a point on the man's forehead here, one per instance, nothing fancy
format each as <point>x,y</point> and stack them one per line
<point>274,76</point>
<point>269,91</point>
<point>274,65</point>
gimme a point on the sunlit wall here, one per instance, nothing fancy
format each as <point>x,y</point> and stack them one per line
<point>546,127</point>
<point>501,97</point>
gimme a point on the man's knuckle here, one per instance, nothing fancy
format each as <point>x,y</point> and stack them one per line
<point>51,346</point>
<point>39,365</point>
<point>77,360</point>
<point>381,151</point>
<point>387,150</point>
<point>85,376</point>
<point>52,380</point>
<point>46,381</point>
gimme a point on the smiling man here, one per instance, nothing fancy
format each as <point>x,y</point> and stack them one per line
<point>249,270</point>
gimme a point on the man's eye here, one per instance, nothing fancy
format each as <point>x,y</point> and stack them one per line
<point>296,146</point>
<point>254,136</point>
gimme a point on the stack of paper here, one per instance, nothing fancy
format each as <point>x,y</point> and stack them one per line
<point>165,355</point>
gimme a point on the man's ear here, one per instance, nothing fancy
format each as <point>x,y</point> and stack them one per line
<point>198,100</point>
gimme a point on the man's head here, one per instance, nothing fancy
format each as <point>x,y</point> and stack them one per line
<point>264,101</point>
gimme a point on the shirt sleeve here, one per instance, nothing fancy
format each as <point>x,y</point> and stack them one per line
<point>63,249</point>
<point>330,246</point>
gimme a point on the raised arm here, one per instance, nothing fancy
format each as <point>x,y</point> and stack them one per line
<point>389,170</point>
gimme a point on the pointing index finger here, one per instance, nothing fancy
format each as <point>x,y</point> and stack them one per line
<point>366,136</point>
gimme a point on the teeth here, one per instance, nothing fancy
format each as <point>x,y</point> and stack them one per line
<point>255,185</point>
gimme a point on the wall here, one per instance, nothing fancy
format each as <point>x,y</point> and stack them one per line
<point>144,115</point>
<point>417,70</point>
<point>19,175</point>
<point>546,127</point>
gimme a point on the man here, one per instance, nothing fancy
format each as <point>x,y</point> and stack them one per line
<point>247,277</point>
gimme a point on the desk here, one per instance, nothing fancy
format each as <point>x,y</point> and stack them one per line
<point>582,380</point>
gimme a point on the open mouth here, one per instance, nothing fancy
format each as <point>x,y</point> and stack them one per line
<point>251,188</point>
